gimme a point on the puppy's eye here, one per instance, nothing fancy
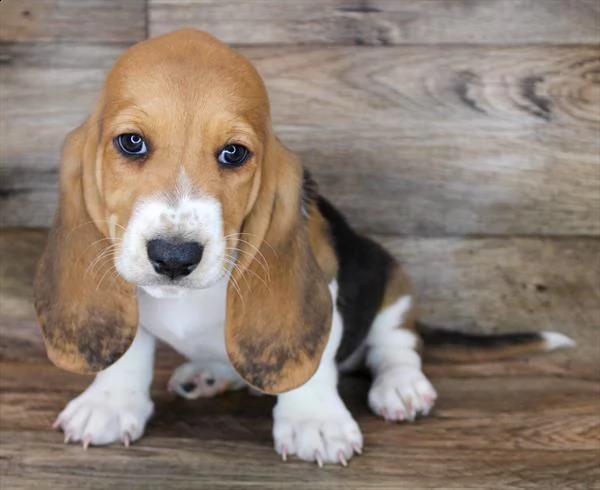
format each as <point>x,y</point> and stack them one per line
<point>234,155</point>
<point>131,145</point>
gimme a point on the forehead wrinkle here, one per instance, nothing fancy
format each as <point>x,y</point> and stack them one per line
<point>186,83</point>
<point>226,125</point>
<point>132,116</point>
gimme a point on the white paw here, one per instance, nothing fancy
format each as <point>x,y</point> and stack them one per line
<point>191,381</point>
<point>331,437</point>
<point>401,393</point>
<point>102,416</point>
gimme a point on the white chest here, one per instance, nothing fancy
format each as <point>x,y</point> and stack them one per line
<point>194,324</point>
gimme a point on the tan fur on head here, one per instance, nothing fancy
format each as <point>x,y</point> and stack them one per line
<point>188,95</point>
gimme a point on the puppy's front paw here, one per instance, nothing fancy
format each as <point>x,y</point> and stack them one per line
<point>102,416</point>
<point>327,438</point>
<point>401,393</point>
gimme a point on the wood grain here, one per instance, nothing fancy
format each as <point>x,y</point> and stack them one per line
<point>109,21</point>
<point>383,22</point>
<point>412,139</point>
<point>34,460</point>
<point>485,433</point>
<point>19,254</point>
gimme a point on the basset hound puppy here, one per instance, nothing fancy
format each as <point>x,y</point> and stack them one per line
<point>183,218</point>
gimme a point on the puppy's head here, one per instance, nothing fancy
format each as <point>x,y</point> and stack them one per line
<point>175,182</point>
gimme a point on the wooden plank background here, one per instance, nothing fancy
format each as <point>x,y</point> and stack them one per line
<point>429,118</point>
<point>383,22</point>
<point>102,21</point>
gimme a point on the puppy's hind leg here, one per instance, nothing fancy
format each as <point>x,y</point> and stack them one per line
<point>400,391</point>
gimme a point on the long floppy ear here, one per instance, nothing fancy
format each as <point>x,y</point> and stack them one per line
<point>278,305</point>
<point>87,313</point>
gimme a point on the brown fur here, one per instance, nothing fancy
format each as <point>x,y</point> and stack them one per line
<point>321,244</point>
<point>88,315</point>
<point>189,95</point>
<point>399,285</point>
<point>278,326</point>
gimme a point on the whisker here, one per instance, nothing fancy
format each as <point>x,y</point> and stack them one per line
<point>99,241</point>
<point>237,234</point>
<point>108,252</point>
<point>258,252</point>
<point>264,267</point>
<point>236,286</point>
<point>243,272</point>
<point>112,268</point>
<point>101,269</point>
<point>236,267</point>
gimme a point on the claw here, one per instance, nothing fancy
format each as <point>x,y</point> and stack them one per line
<point>126,439</point>
<point>56,423</point>
<point>357,449</point>
<point>429,400</point>
<point>342,459</point>
<point>319,459</point>
<point>385,415</point>
<point>68,436</point>
<point>284,453</point>
<point>86,441</point>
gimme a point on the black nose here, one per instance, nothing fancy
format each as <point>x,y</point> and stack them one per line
<point>174,259</point>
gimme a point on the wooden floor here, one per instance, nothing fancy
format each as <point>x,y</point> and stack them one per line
<point>520,424</point>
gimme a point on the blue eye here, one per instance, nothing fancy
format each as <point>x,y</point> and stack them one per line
<point>234,155</point>
<point>131,145</point>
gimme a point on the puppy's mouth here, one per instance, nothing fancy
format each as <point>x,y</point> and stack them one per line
<point>166,292</point>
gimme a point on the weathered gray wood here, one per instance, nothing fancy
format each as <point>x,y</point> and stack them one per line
<point>108,21</point>
<point>383,22</point>
<point>515,284</point>
<point>39,460</point>
<point>415,140</point>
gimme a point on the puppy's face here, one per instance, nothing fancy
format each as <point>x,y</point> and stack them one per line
<point>182,130</point>
<point>177,176</point>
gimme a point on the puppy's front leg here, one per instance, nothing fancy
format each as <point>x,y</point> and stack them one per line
<point>117,405</point>
<point>312,422</point>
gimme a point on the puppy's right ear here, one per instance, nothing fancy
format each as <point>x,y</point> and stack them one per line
<point>87,312</point>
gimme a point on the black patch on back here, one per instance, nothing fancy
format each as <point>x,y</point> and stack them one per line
<point>364,268</point>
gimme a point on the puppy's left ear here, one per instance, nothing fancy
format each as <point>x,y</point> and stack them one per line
<point>278,305</point>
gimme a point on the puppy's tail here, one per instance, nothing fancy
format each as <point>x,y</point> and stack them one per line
<point>451,345</point>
